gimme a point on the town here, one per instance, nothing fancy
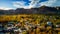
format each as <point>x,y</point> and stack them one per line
<point>29,24</point>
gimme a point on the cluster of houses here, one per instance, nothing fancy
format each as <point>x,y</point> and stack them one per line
<point>27,27</point>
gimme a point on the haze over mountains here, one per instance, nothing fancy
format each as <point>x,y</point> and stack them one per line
<point>40,10</point>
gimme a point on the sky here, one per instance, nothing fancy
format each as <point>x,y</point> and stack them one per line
<point>27,4</point>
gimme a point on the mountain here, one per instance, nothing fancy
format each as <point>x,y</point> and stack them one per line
<point>40,10</point>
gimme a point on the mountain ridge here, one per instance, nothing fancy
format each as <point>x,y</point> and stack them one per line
<point>40,10</point>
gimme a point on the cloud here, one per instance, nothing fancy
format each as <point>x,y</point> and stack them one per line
<point>36,3</point>
<point>18,4</point>
<point>4,8</point>
<point>33,3</point>
<point>47,3</point>
<point>51,3</point>
<point>22,4</point>
<point>57,3</point>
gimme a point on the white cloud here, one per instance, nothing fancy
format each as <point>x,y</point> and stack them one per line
<point>51,3</point>
<point>36,3</point>
<point>18,4</point>
<point>21,4</point>
<point>57,3</point>
<point>4,8</point>
<point>33,3</point>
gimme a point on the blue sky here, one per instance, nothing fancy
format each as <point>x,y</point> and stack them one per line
<point>27,4</point>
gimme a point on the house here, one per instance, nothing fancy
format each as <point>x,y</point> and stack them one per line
<point>58,26</point>
<point>49,23</point>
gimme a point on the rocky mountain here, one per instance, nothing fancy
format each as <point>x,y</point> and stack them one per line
<point>40,10</point>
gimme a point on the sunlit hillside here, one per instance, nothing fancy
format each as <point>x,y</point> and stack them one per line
<point>27,17</point>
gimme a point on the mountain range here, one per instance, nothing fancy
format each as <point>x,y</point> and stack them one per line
<point>40,10</point>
